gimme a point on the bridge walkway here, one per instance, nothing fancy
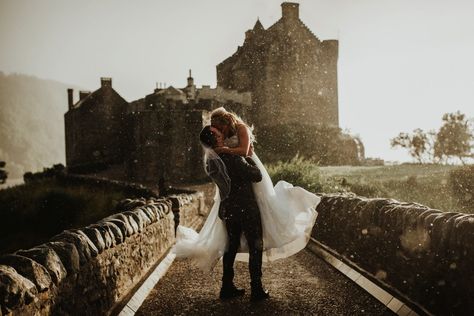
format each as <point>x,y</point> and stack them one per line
<point>303,284</point>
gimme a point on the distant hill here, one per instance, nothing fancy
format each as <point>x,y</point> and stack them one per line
<point>31,123</point>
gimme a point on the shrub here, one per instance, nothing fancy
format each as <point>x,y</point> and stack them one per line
<point>298,171</point>
<point>368,189</point>
<point>33,212</point>
<point>461,181</point>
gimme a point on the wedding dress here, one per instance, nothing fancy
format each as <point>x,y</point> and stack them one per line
<point>287,213</point>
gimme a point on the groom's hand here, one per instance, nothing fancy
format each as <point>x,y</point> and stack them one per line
<point>221,149</point>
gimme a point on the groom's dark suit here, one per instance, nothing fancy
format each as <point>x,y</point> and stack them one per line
<point>241,215</point>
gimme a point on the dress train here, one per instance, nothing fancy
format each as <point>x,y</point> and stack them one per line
<point>288,215</point>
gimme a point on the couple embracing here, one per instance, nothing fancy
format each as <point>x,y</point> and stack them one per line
<point>275,221</point>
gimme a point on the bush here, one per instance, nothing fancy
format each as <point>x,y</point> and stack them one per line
<point>371,190</point>
<point>299,172</point>
<point>32,213</point>
<point>461,181</point>
<point>59,210</point>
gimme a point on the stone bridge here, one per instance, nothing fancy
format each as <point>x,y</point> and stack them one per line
<point>365,257</point>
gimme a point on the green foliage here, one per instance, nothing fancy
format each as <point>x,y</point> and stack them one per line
<point>298,171</point>
<point>34,212</point>
<point>428,184</point>
<point>454,137</point>
<point>326,145</point>
<point>419,144</point>
<point>461,181</point>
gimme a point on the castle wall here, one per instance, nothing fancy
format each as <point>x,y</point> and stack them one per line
<point>166,144</point>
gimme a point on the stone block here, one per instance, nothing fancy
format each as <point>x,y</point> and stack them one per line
<point>15,290</point>
<point>114,230</point>
<point>80,243</point>
<point>29,269</point>
<point>125,228</point>
<point>137,218</point>
<point>48,258</point>
<point>106,233</point>
<point>68,254</point>
<point>96,237</point>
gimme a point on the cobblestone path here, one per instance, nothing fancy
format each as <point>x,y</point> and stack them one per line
<point>300,285</point>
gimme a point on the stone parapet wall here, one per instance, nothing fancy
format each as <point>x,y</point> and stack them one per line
<point>89,271</point>
<point>426,254</point>
<point>189,209</point>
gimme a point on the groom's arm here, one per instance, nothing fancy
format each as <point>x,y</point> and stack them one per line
<point>245,171</point>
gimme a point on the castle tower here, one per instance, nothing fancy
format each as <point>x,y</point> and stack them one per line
<point>291,74</point>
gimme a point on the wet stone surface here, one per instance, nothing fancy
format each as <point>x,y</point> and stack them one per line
<point>300,285</point>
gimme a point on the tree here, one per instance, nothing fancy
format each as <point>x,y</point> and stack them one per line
<point>418,143</point>
<point>3,172</point>
<point>454,138</point>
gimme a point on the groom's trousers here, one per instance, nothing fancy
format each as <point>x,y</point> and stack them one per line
<point>243,219</point>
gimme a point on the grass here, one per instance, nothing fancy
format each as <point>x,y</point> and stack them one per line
<point>424,184</point>
<point>34,212</point>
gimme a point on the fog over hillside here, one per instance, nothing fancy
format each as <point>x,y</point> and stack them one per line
<point>31,122</point>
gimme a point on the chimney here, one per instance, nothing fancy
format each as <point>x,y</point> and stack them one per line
<point>106,82</point>
<point>290,10</point>
<point>83,94</point>
<point>70,98</point>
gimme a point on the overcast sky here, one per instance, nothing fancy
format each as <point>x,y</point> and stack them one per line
<point>402,63</point>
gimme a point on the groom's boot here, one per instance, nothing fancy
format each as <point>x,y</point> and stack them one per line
<point>229,291</point>
<point>258,292</point>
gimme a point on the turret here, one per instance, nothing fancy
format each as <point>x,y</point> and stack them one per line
<point>190,88</point>
<point>290,11</point>
<point>190,79</point>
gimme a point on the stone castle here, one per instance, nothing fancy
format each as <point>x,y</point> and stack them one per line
<point>152,138</point>
<point>291,74</point>
<point>283,74</point>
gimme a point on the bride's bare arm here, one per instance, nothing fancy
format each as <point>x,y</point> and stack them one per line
<point>244,148</point>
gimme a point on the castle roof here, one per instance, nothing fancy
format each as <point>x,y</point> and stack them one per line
<point>258,26</point>
<point>98,97</point>
<point>172,91</point>
<point>288,24</point>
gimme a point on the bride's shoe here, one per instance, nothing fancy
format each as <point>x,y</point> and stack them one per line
<point>228,292</point>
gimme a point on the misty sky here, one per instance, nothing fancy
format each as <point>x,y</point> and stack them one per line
<point>402,63</point>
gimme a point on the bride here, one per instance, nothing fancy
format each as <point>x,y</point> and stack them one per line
<point>287,212</point>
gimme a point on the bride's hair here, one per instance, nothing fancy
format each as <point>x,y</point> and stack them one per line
<point>221,116</point>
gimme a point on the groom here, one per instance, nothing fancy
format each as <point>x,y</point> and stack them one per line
<point>239,211</point>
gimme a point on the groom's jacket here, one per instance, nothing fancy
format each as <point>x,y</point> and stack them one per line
<point>242,172</point>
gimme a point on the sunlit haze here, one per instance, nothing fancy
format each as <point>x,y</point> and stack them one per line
<point>402,63</point>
